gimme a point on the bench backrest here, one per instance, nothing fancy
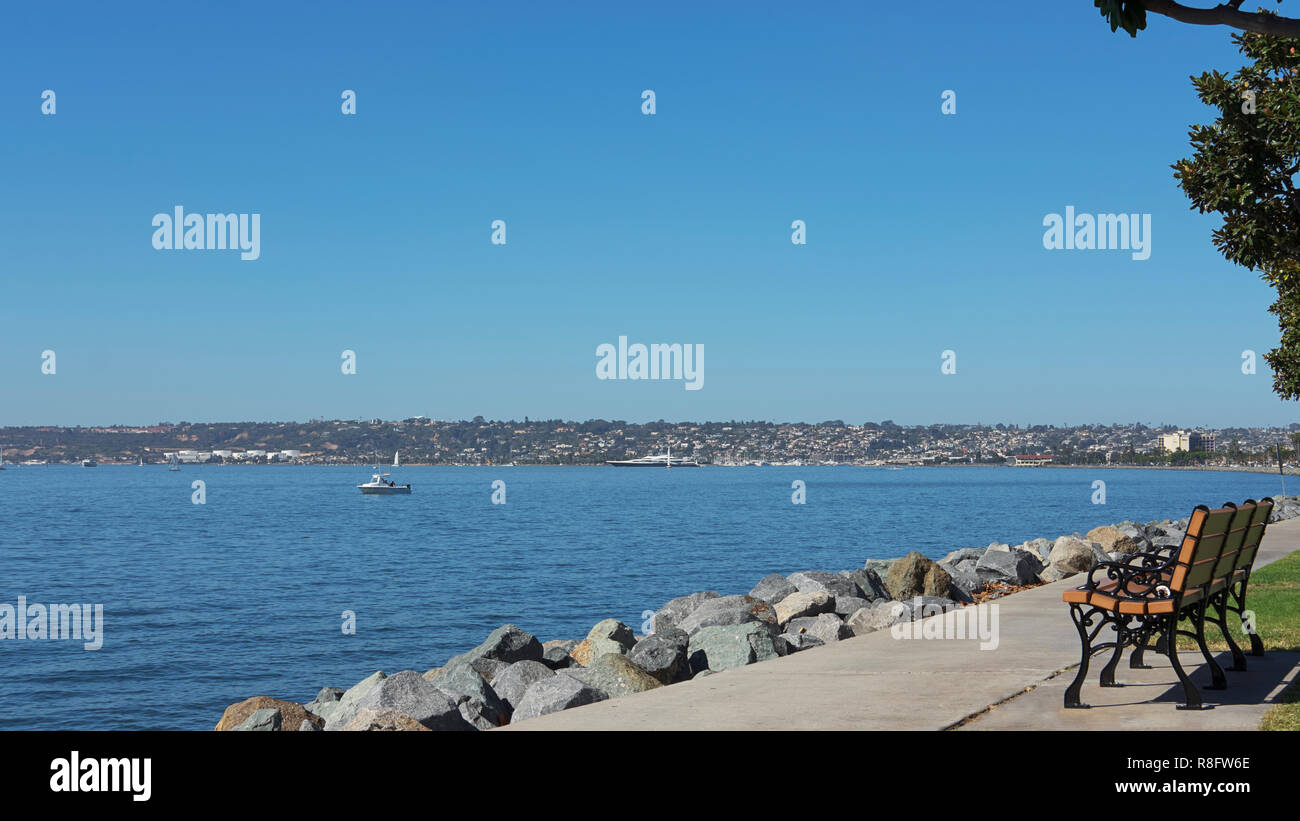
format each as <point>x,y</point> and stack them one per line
<point>1235,538</point>
<point>1254,534</point>
<point>1206,532</point>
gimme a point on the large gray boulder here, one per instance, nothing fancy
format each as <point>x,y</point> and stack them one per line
<point>555,654</point>
<point>478,715</point>
<point>327,695</point>
<point>729,610</point>
<point>460,679</point>
<point>826,627</point>
<point>1071,555</point>
<point>1136,532</point>
<point>489,668</point>
<point>507,643</point>
<point>1052,574</point>
<point>833,584</point>
<point>267,719</point>
<point>663,655</point>
<point>339,712</point>
<point>408,693</point>
<point>964,576</point>
<point>961,554</point>
<point>879,566</point>
<point>1014,567</point>
<point>794,642</point>
<point>511,683</point>
<point>607,636</point>
<point>923,606</point>
<point>616,676</point>
<point>674,610</point>
<point>773,588</point>
<point>1171,540</point>
<point>846,606</point>
<point>869,582</point>
<point>550,695</point>
<point>878,617</point>
<point>798,605</point>
<point>722,647</point>
<point>1042,548</point>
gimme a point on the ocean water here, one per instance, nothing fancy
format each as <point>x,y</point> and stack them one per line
<point>205,605</point>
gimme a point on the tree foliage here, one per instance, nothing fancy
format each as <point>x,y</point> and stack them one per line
<point>1243,168</point>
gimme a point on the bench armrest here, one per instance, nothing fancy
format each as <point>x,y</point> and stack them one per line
<point>1140,575</point>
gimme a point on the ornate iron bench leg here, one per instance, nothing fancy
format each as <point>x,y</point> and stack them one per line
<point>1191,696</point>
<point>1075,690</point>
<point>1219,680</point>
<point>1136,659</point>
<point>1107,678</point>
<point>1221,610</point>
<point>1256,645</point>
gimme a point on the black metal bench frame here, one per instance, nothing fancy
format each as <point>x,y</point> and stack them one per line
<point>1151,572</point>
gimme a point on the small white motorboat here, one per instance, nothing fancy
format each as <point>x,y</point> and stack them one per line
<point>379,484</point>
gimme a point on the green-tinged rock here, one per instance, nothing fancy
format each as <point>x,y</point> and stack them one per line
<point>616,676</point>
<point>267,719</point>
<point>338,713</point>
<point>723,647</point>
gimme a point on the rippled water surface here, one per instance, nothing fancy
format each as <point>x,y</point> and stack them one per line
<point>205,605</point>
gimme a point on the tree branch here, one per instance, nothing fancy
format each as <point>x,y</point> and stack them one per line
<point>1227,14</point>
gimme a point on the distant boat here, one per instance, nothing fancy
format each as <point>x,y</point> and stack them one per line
<point>89,463</point>
<point>379,486</point>
<point>395,459</point>
<point>666,460</point>
<point>140,464</point>
<point>171,459</point>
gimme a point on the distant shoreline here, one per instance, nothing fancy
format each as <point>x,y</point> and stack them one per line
<point>1290,470</point>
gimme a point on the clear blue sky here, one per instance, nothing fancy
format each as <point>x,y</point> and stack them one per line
<point>924,230</point>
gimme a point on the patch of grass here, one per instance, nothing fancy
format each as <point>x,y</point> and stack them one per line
<point>1274,596</point>
<point>1286,715</point>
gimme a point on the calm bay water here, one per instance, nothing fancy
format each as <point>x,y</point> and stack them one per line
<point>205,605</point>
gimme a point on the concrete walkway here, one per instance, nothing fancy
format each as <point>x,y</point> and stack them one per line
<point>878,682</point>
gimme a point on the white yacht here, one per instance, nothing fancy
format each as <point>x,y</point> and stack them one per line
<point>665,460</point>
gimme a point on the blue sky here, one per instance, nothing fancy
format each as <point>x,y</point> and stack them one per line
<point>924,230</point>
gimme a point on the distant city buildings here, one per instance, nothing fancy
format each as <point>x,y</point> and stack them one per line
<point>1031,460</point>
<point>563,442</point>
<point>1187,441</point>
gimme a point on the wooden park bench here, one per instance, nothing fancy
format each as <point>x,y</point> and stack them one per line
<point>1147,594</point>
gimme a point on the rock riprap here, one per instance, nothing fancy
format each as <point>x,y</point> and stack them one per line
<point>511,676</point>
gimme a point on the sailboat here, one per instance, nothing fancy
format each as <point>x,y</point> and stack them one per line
<point>395,459</point>
<point>140,464</point>
<point>171,459</point>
